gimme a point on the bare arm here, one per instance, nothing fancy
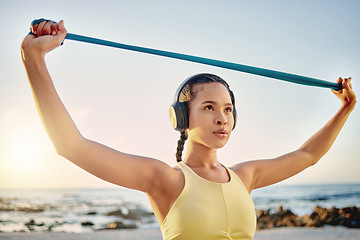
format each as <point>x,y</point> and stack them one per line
<point>119,168</point>
<point>261,173</point>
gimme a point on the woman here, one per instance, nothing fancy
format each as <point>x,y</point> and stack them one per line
<point>200,198</point>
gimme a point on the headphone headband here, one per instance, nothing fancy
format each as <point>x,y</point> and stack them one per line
<point>185,83</point>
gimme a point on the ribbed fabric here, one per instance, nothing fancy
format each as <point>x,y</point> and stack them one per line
<point>210,211</point>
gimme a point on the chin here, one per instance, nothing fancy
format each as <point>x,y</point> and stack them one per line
<point>219,145</point>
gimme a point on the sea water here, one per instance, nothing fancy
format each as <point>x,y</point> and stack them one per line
<point>301,199</point>
<point>64,210</point>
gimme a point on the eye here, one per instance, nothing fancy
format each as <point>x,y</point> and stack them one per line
<point>228,109</point>
<point>209,107</point>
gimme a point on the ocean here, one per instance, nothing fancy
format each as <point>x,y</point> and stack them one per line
<point>86,210</point>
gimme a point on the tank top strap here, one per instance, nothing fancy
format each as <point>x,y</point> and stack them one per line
<point>231,173</point>
<point>187,171</point>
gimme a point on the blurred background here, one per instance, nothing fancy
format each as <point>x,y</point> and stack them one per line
<point>121,98</point>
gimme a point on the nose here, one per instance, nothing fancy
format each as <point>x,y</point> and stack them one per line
<point>221,119</point>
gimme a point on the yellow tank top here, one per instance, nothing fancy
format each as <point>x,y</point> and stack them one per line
<point>207,210</point>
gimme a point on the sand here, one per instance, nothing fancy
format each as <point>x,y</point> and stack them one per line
<point>326,233</point>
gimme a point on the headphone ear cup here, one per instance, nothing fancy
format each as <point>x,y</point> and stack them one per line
<point>179,117</point>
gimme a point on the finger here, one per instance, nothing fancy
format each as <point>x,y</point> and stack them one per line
<point>61,26</point>
<point>62,30</point>
<point>339,80</point>
<point>337,93</point>
<point>39,31</point>
<point>348,81</point>
<point>346,84</point>
<point>47,28</point>
<point>59,32</point>
<point>34,28</point>
<point>54,28</point>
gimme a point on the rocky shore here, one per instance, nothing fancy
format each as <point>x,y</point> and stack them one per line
<point>347,217</point>
<point>125,219</point>
<point>134,218</point>
<point>81,211</point>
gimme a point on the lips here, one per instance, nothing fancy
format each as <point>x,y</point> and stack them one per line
<point>221,133</point>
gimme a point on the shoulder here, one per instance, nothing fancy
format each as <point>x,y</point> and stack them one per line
<point>166,178</point>
<point>245,171</point>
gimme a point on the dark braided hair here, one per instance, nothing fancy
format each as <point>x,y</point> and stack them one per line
<point>180,147</point>
<point>187,94</point>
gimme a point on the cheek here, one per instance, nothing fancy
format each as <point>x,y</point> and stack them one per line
<point>198,135</point>
<point>200,121</point>
<point>194,123</point>
<point>195,120</point>
<point>231,120</point>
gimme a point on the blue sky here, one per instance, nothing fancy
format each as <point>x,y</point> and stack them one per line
<point>121,98</point>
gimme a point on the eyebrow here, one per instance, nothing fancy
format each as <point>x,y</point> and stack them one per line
<point>215,103</point>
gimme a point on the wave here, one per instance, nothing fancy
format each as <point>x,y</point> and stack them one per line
<point>355,195</point>
<point>82,210</point>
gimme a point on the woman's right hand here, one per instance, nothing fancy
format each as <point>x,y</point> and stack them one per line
<point>48,35</point>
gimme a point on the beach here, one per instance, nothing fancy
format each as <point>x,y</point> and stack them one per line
<point>286,233</point>
<point>318,212</point>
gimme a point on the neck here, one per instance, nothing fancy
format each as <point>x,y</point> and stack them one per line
<point>198,155</point>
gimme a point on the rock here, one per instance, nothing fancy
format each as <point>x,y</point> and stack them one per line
<point>91,213</point>
<point>261,213</point>
<point>281,218</point>
<point>333,217</point>
<point>30,209</point>
<point>121,225</point>
<point>322,212</point>
<point>30,223</point>
<point>87,224</point>
<point>348,217</point>
<point>114,213</point>
<point>133,214</point>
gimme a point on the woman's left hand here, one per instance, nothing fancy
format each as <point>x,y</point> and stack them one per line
<point>346,94</point>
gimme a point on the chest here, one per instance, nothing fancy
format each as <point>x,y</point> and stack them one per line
<point>215,175</point>
<point>204,210</point>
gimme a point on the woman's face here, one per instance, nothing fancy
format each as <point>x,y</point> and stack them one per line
<point>210,115</point>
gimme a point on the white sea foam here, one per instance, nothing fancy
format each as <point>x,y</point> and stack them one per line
<point>65,210</point>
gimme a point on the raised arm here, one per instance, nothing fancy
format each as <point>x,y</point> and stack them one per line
<point>119,168</point>
<point>261,173</point>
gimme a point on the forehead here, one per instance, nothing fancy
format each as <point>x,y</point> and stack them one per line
<point>211,91</point>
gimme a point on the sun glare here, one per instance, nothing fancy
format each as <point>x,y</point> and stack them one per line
<point>25,153</point>
<point>23,163</point>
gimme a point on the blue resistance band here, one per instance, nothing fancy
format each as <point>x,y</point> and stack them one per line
<point>217,63</point>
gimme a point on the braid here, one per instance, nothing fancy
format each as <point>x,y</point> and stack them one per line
<point>180,147</point>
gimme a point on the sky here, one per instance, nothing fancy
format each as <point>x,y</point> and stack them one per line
<point>121,98</point>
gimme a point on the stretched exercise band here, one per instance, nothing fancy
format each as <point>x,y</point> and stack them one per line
<point>228,65</point>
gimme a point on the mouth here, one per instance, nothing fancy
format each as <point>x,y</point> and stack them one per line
<point>221,133</point>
